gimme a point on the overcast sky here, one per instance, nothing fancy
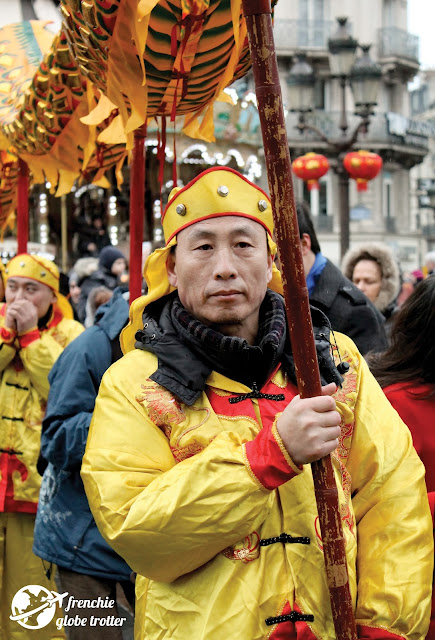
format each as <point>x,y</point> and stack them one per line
<point>421,21</point>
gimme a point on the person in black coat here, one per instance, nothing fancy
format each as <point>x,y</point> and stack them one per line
<point>112,267</point>
<point>348,309</point>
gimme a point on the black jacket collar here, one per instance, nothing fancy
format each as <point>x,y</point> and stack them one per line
<point>183,369</point>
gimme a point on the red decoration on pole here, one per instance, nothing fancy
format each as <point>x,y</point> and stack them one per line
<point>310,168</point>
<point>137,212</point>
<point>279,174</point>
<point>22,207</point>
<point>362,166</point>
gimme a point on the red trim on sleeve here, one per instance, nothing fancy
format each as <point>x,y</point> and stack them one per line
<point>10,464</point>
<point>7,336</point>
<point>57,317</point>
<point>376,633</point>
<point>27,338</point>
<point>431,497</point>
<point>268,459</point>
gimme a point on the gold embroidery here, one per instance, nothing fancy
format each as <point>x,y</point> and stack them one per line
<point>344,440</point>
<point>344,393</point>
<point>60,337</point>
<point>278,612</point>
<point>249,470</point>
<point>363,623</point>
<point>237,418</point>
<point>280,444</point>
<point>181,453</point>
<point>247,550</point>
<point>195,426</point>
<point>303,611</point>
<point>162,407</point>
<point>274,380</point>
<point>220,392</point>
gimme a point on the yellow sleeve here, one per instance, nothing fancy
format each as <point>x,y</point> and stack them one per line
<point>38,357</point>
<point>394,525</point>
<point>7,353</point>
<point>39,353</point>
<point>8,346</point>
<point>164,519</point>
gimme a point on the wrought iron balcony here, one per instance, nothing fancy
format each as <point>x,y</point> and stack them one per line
<point>300,35</point>
<point>397,43</point>
<point>385,129</point>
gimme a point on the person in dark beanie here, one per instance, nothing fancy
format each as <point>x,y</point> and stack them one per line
<point>112,268</point>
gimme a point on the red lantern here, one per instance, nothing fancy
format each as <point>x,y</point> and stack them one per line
<point>362,166</point>
<point>311,167</point>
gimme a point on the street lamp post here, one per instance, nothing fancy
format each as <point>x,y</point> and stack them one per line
<point>363,75</point>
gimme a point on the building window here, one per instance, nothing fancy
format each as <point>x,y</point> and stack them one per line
<point>319,94</point>
<point>419,100</point>
<point>389,20</point>
<point>311,23</point>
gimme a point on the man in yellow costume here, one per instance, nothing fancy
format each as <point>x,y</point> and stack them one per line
<point>197,461</point>
<point>33,333</point>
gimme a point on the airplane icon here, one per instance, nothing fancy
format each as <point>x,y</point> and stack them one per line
<point>57,597</point>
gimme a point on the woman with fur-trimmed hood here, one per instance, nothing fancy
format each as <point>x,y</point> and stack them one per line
<point>373,269</point>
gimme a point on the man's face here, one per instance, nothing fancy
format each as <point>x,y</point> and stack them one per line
<point>41,296</point>
<point>221,268</point>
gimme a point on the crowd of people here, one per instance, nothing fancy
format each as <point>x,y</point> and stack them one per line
<point>161,456</point>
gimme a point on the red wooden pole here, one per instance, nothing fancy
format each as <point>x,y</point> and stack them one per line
<point>22,207</point>
<point>137,212</point>
<point>278,164</point>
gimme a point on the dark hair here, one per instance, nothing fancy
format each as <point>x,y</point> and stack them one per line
<point>411,355</point>
<point>306,225</point>
<point>366,255</point>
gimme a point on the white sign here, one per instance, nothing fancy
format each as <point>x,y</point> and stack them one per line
<point>34,607</point>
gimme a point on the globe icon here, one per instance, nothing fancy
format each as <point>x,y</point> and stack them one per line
<point>33,607</point>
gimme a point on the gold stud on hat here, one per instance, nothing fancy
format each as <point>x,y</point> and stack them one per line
<point>262,205</point>
<point>223,191</point>
<point>43,273</point>
<point>180,209</point>
<point>22,264</point>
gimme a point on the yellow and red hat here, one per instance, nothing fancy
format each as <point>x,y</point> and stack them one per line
<point>34,267</point>
<point>217,192</point>
<point>26,265</point>
<point>214,193</point>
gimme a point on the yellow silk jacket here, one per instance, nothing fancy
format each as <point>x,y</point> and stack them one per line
<point>25,363</point>
<point>193,497</point>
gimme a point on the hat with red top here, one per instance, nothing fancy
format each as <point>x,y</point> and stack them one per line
<point>216,193</point>
<point>34,267</point>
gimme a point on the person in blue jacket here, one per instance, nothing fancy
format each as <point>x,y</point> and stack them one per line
<point>65,531</point>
